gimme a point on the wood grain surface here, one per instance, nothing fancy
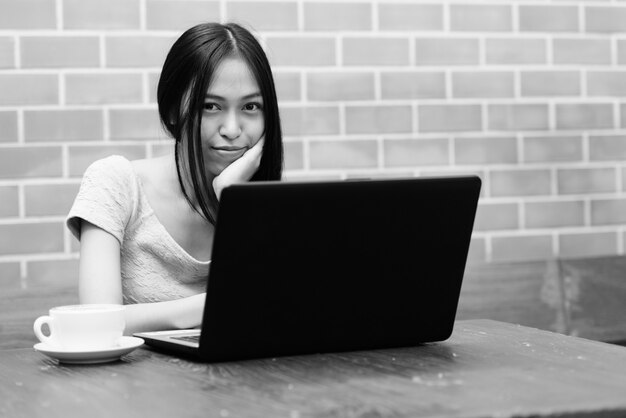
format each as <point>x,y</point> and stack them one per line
<point>486,368</point>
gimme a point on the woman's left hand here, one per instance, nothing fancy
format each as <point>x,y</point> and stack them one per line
<point>240,170</point>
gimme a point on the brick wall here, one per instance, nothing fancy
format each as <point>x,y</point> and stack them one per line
<point>530,95</point>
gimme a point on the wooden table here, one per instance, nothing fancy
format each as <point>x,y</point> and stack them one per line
<point>486,368</point>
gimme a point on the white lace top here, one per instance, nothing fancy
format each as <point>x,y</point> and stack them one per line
<point>154,267</point>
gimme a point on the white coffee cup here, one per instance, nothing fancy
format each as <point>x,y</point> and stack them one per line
<point>82,327</point>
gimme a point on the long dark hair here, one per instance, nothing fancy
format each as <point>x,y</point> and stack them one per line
<point>187,74</point>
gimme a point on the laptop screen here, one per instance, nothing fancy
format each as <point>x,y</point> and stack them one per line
<point>332,266</point>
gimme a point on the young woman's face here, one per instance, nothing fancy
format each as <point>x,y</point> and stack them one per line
<point>232,119</point>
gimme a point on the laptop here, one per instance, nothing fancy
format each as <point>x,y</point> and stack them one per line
<point>328,266</point>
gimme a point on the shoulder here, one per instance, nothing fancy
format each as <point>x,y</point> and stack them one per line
<point>112,164</point>
<point>158,173</point>
<point>114,172</point>
<point>107,197</point>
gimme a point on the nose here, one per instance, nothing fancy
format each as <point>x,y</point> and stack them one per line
<point>230,127</point>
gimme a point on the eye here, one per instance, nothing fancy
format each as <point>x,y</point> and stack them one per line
<point>211,107</point>
<point>252,107</point>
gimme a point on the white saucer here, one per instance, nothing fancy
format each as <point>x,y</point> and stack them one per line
<point>125,346</point>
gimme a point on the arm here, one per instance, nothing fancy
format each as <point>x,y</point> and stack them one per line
<point>100,282</point>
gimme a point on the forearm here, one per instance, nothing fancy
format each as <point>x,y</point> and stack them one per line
<point>175,314</point>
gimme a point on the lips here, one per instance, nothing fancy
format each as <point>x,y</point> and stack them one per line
<point>228,148</point>
<point>230,152</point>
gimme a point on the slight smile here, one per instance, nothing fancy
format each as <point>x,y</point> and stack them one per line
<point>230,150</point>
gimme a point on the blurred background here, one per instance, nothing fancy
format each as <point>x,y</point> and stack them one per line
<point>529,95</point>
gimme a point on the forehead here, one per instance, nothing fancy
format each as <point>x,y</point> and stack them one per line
<point>233,78</point>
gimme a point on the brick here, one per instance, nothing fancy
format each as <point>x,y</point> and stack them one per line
<point>101,14</point>
<point>129,124</point>
<point>447,51</point>
<point>587,244</point>
<point>63,125</point>
<point>378,119</point>
<point>31,162</point>
<point>518,117</point>
<point>449,118</point>
<point>520,182</point>
<point>60,51</point>
<point>9,202</point>
<point>311,176</point>
<point>416,152</point>
<point>621,52</point>
<point>481,18</point>
<point>488,84</point>
<point>162,148</point>
<point>374,173</point>
<point>477,251</point>
<point>264,15</point>
<point>49,199</point>
<point>375,51</point>
<point>294,155</point>
<point>522,247</point>
<point>606,83</point>
<point>496,216</point>
<point>80,157</point>
<point>8,121</point>
<point>343,154</point>
<point>586,180</point>
<point>180,15</point>
<point>153,82</point>
<point>582,51</point>
<point>485,150</point>
<point>29,89</point>
<point>554,214</point>
<point>103,88</point>
<point>52,274</point>
<point>29,238</point>
<point>608,211</point>
<point>301,51</point>
<point>28,14</point>
<point>584,116</point>
<point>552,149</point>
<point>605,19</point>
<point>287,86</point>
<point>549,83</point>
<point>607,148</point>
<point>337,16</point>
<point>7,52</point>
<point>548,18</point>
<point>333,86</point>
<point>407,16</point>
<point>622,110</point>
<point>10,276</point>
<point>515,51</point>
<point>317,120</point>
<point>413,85</point>
<point>137,51</point>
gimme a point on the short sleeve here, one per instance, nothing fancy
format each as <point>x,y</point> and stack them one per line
<point>107,197</point>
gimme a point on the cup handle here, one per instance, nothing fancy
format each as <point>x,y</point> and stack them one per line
<point>37,328</point>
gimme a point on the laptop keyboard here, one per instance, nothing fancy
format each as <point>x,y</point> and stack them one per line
<point>189,338</point>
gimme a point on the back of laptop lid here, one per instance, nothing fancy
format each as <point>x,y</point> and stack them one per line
<point>303,268</point>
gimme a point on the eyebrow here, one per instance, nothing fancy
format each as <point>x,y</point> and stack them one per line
<point>246,97</point>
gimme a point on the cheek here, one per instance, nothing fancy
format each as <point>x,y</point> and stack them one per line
<point>207,128</point>
<point>256,130</point>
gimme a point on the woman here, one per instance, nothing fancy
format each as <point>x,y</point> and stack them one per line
<point>146,227</point>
